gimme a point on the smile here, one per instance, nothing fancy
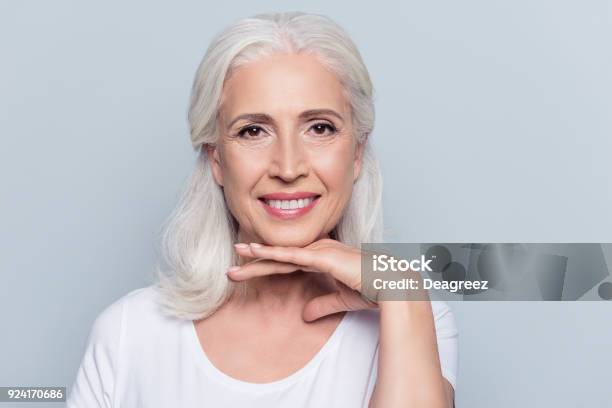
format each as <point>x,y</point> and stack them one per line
<point>289,205</point>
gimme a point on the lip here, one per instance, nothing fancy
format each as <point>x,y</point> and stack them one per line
<point>288,214</point>
<point>289,196</point>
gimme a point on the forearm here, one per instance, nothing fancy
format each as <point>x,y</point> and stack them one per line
<point>409,374</point>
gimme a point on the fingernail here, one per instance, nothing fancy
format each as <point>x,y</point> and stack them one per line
<point>255,245</point>
<point>241,246</point>
<point>232,269</point>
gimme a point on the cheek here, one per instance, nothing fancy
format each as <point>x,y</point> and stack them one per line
<point>335,168</point>
<point>241,171</point>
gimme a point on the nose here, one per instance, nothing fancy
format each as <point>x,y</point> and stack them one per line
<point>290,160</point>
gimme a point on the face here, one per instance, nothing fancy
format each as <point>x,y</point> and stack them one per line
<point>286,155</point>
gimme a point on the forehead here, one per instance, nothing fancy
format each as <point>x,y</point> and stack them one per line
<point>282,84</point>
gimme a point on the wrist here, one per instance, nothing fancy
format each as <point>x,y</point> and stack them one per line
<point>404,306</point>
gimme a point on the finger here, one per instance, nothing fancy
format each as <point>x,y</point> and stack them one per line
<point>294,255</point>
<point>244,250</point>
<point>324,305</point>
<point>261,268</point>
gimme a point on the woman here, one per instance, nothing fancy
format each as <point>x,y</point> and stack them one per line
<point>258,303</point>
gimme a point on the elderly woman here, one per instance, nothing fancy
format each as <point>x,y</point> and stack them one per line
<point>257,301</point>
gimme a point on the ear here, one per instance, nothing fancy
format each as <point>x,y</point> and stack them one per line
<point>359,148</point>
<point>215,163</point>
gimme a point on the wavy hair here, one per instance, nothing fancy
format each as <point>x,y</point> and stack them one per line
<point>197,240</point>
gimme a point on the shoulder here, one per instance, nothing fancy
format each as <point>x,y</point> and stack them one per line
<point>95,383</point>
<point>109,322</point>
<point>112,314</point>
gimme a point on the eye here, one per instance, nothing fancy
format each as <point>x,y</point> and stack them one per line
<point>250,132</point>
<point>321,128</point>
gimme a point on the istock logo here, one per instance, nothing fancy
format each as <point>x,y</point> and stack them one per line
<point>382,263</point>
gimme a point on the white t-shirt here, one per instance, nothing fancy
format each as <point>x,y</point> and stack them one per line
<point>136,357</point>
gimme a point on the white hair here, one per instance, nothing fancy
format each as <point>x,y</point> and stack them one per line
<point>198,237</point>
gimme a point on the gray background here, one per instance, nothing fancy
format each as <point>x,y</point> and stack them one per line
<point>493,124</point>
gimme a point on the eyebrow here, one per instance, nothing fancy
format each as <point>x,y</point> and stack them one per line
<point>265,118</point>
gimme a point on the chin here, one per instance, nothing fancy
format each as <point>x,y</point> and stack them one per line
<point>294,237</point>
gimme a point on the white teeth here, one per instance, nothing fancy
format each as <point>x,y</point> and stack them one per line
<point>290,204</point>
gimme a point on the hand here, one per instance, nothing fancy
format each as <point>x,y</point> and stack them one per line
<point>342,262</point>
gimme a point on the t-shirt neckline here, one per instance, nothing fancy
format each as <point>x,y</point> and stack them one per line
<point>213,372</point>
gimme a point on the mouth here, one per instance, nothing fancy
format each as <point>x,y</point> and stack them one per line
<point>289,205</point>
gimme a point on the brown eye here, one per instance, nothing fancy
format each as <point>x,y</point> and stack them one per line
<point>320,129</point>
<point>250,131</point>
